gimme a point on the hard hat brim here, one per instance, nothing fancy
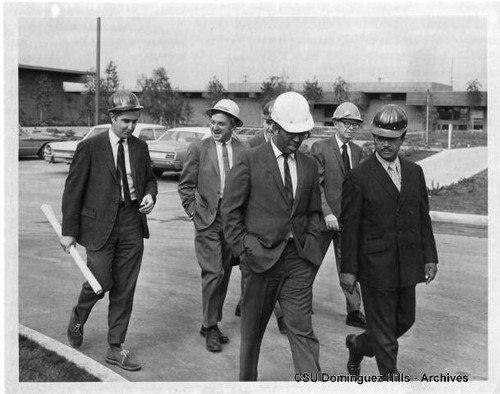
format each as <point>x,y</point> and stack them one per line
<point>126,108</point>
<point>300,127</point>
<point>387,133</point>
<point>211,111</point>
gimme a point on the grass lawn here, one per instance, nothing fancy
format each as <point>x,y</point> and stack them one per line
<point>37,364</point>
<point>466,196</point>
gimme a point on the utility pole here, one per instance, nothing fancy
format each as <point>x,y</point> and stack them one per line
<point>427,120</point>
<point>97,70</point>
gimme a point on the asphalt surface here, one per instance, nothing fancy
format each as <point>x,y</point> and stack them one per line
<point>450,335</point>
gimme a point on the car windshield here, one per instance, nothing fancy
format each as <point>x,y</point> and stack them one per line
<point>96,131</point>
<point>167,136</point>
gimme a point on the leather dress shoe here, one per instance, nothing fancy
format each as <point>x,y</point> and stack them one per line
<point>354,362</point>
<point>222,337</point>
<point>212,340</point>
<point>282,325</point>
<point>356,319</point>
<point>75,330</point>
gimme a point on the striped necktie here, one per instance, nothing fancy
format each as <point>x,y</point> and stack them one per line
<point>288,181</point>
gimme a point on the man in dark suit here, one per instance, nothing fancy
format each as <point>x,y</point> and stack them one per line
<point>387,242</point>
<point>201,187</point>
<point>109,190</point>
<point>271,212</point>
<point>267,126</point>
<point>337,155</point>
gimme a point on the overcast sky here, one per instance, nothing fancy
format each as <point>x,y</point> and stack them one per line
<point>407,48</point>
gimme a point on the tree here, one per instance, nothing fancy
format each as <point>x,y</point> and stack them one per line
<point>109,84</point>
<point>273,87</point>
<point>312,91</point>
<point>341,90</point>
<point>44,94</point>
<point>161,102</point>
<point>188,111</point>
<point>474,98</point>
<point>215,90</point>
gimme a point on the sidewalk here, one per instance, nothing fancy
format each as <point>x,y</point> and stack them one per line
<point>451,165</point>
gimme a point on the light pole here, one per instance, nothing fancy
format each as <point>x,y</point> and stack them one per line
<point>97,70</point>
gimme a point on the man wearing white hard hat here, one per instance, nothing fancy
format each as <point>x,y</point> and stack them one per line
<point>387,242</point>
<point>201,187</point>
<point>336,156</point>
<point>271,212</point>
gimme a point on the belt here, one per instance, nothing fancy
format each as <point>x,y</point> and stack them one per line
<point>123,204</point>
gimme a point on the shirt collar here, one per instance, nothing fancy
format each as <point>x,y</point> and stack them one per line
<point>386,163</point>
<point>278,153</point>
<point>113,138</point>
<point>228,142</point>
<point>340,142</point>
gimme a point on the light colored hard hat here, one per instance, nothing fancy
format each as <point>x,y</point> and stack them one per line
<point>347,111</point>
<point>390,121</point>
<point>291,111</point>
<point>228,107</point>
<point>123,100</point>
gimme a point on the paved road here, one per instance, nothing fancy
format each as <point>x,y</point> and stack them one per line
<point>450,335</point>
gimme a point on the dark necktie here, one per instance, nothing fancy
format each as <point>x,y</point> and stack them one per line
<point>122,172</point>
<point>225,159</point>
<point>288,181</point>
<point>345,158</point>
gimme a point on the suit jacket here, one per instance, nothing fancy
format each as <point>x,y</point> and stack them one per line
<point>332,173</point>
<point>386,235</point>
<point>199,183</point>
<point>259,139</point>
<point>92,190</point>
<point>257,218</point>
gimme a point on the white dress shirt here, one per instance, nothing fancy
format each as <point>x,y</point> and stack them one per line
<point>281,164</point>
<point>396,165</point>
<point>220,159</point>
<point>114,139</point>
<point>340,143</point>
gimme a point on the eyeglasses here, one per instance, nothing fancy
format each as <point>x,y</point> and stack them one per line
<point>351,125</point>
<point>301,136</point>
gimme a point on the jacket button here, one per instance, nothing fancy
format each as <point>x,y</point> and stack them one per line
<point>112,220</point>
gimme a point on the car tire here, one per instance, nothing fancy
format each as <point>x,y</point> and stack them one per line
<point>158,173</point>
<point>42,149</point>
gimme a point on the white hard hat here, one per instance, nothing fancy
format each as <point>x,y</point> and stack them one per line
<point>228,107</point>
<point>347,111</point>
<point>291,111</point>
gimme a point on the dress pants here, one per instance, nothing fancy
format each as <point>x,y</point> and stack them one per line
<point>290,282</point>
<point>353,301</point>
<point>116,267</point>
<point>389,314</point>
<point>215,260</point>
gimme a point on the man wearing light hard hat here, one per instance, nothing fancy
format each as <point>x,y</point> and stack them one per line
<point>387,242</point>
<point>108,193</point>
<point>336,156</point>
<point>201,188</point>
<point>271,212</point>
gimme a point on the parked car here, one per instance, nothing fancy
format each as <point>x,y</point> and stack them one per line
<point>62,152</point>
<point>169,152</point>
<point>247,133</point>
<point>31,144</point>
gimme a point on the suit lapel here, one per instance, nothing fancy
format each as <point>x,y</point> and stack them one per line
<point>212,154</point>
<point>382,177</point>
<point>107,154</point>
<point>300,166</point>
<point>355,154</point>
<point>405,185</point>
<point>274,169</point>
<point>337,154</point>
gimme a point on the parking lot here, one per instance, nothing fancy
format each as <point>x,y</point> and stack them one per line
<point>449,336</point>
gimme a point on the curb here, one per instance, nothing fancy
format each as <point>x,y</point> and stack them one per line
<point>81,360</point>
<point>459,218</point>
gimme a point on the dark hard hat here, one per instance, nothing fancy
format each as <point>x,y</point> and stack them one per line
<point>390,121</point>
<point>123,100</point>
<point>267,109</point>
